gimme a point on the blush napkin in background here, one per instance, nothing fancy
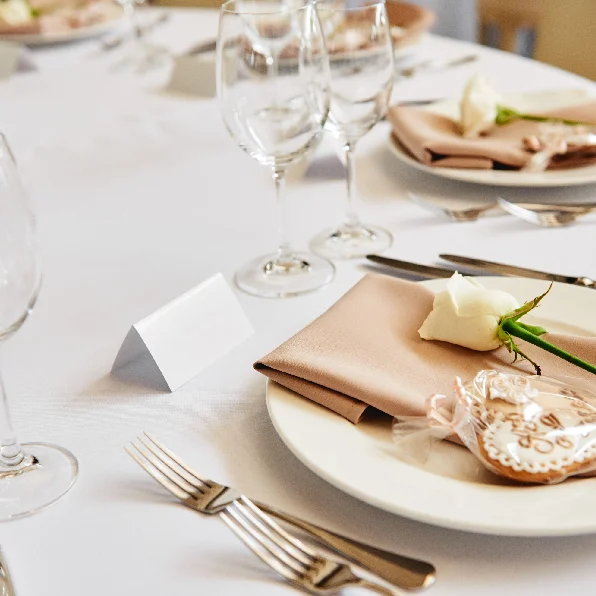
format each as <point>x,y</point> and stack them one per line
<point>365,351</point>
<point>436,140</point>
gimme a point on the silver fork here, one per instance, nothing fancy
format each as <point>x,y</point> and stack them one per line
<point>300,564</point>
<point>546,215</point>
<point>454,213</point>
<point>292,559</point>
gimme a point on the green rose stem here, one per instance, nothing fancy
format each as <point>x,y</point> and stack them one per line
<point>510,327</point>
<point>506,115</point>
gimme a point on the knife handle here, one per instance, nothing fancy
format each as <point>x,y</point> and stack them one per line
<point>401,571</point>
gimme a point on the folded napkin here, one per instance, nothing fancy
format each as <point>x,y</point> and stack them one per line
<point>365,351</point>
<point>436,140</point>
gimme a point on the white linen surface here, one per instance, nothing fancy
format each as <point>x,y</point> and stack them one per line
<point>141,195</point>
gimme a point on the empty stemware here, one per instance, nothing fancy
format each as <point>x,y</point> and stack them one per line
<point>360,50</point>
<point>272,76</point>
<point>32,475</point>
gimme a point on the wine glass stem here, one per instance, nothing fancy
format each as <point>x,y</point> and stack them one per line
<point>352,219</point>
<point>283,249</point>
<point>137,31</point>
<point>11,452</point>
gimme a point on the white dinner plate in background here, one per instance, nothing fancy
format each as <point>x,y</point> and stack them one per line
<point>528,102</point>
<point>114,19</point>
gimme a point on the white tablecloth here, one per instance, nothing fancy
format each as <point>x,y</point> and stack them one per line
<point>140,196</point>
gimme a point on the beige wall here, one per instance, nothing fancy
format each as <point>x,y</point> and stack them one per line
<point>566,35</point>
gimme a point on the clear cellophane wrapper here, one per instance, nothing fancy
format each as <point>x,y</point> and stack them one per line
<point>527,428</point>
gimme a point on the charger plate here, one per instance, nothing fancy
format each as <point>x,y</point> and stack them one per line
<point>451,489</point>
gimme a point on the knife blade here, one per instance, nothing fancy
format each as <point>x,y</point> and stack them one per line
<point>422,270</point>
<point>203,47</point>
<point>6,587</point>
<point>504,269</point>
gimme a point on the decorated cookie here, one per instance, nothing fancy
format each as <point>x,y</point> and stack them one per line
<point>528,428</point>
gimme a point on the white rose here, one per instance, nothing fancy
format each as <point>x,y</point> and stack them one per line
<point>467,314</point>
<point>15,12</point>
<point>478,107</point>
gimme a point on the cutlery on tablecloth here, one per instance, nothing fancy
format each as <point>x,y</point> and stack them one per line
<point>6,587</point>
<point>413,268</point>
<point>113,41</point>
<point>203,47</point>
<point>502,269</point>
<point>293,560</point>
<point>209,497</point>
<point>455,213</point>
<point>434,65</point>
<point>546,215</point>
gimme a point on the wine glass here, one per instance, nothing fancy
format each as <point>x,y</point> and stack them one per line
<point>143,55</point>
<point>32,475</point>
<point>360,48</point>
<point>272,78</point>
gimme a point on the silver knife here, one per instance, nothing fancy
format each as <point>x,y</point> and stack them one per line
<point>434,65</point>
<point>203,47</point>
<point>6,587</point>
<point>415,268</point>
<point>518,271</point>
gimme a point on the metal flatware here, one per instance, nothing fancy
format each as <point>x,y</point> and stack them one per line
<point>299,564</point>
<point>415,268</point>
<point>547,215</point>
<point>489,266</point>
<point>210,497</point>
<point>204,47</point>
<point>6,587</point>
<point>454,213</point>
<point>434,65</point>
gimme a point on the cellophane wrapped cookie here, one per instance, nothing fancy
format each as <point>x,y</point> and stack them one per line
<point>527,428</point>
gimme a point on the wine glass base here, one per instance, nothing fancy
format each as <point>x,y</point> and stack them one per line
<point>37,487</point>
<point>273,277</point>
<point>351,242</point>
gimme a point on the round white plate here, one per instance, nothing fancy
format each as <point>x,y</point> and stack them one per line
<point>451,489</point>
<point>567,177</point>
<point>115,20</point>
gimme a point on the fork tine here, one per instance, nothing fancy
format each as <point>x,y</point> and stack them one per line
<point>168,472</point>
<point>176,490</point>
<point>173,463</point>
<point>255,545</point>
<point>268,548</point>
<point>178,461</point>
<point>276,533</point>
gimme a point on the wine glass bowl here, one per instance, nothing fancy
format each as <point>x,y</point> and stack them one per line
<point>33,475</point>
<point>272,75</point>
<point>360,47</point>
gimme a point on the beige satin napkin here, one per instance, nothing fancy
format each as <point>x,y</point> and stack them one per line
<point>366,351</point>
<point>436,140</point>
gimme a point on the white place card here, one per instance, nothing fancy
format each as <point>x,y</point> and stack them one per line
<point>14,57</point>
<point>185,336</point>
<point>194,75</point>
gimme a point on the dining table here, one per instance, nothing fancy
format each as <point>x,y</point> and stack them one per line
<point>140,194</point>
